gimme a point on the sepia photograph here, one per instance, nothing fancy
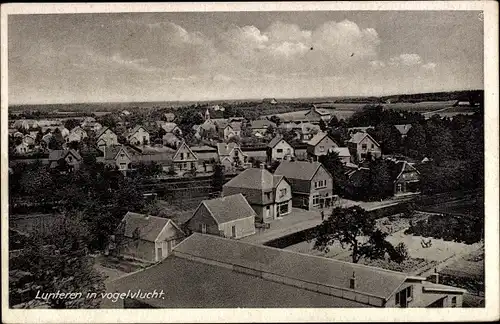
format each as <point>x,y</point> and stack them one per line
<point>248,157</point>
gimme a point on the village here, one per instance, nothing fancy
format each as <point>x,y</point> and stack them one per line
<point>207,194</point>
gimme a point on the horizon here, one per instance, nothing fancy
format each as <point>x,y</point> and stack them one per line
<point>220,56</point>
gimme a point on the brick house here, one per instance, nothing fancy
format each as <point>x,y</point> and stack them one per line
<point>105,138</point>
<point>138,136</point>
<point>320,145</point>
<point>361,145</point>
<point>278,149</point>
<point>146,237</point>
<point>269,195</point>
<point>229,216</point>
<point>312,184</point>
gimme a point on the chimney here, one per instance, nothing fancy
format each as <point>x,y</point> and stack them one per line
<point>435,277</point>
<point>352,281</point>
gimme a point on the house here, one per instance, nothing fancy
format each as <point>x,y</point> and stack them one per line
<point>207,156</point>
<point>312,184</point>
<point>46,139</point>
<point>125,113</point>
<point>229,130</point>
<point>23,148</point>
<point>145,237</point>
<point>184,159</point>
<point>304,131</point>
<point>119,156</point>
<point>207,271</point>
<point>406,178</point>
<point>170,127</point>
<point>260,126</point>
<point>138,136</point>
<point>362,145</point>
<point>25,124</point>
<point>320,145</point>
<point>76,134</point>
<point>231,156</point>
<point>170,139</point>
<point>278,149</point>
<point>71,157</point>
<point>105,137</point>
<point>352,130</point>
<point>315,115</point>
<point>91,124</point>
<point>403,129</point>
<point>269,195</point>
<point>229,216</point>
<point>271,101</point>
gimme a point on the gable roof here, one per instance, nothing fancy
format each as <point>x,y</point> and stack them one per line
<point>302,170</point>
<point>203,148</point>
<point>102,131</point>
<point>112,151</point>
<point>400,167</point>
<point>184,145</point>
<point>228,208</point>
<point>276,140</point>
<point>370,281</point>
<point>255,178</point>
<point>359,136</point>
<point>319,111</point>
<point>149,226</point>
<point>224,149</point>
<point>56,155</point>
<point>260,123</point>
<point>168,126</point>
<point>318,138</point>
<point>403,129</point>
<point>135,130</point>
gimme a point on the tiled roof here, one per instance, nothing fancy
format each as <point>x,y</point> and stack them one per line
<point>254,178</point>
<point>236,126</point>
<point>359,136</point>
<point>101,131</point>
<point>319,270</point>
<point>261,123</point>
<point>317,138</point>
<point>198,285</point>
<point>275,141</point>
<point>111,151</point>
<point>169,127</point>
<point>229,208</point>
<point>301,170</point>
<point>224,149</point>
<point>149,226</point>
<point>203,148</point>
<point>135,130</point>
<point>170,138</point>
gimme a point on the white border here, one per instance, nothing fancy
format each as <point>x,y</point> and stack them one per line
<point>491,312</point>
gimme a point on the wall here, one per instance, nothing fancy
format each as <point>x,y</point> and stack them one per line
<point>286,198</point>
<point>138,137</point>
<point>202,216</point>
<point>140,249</point>
<point>327,191</point>
<point>244,227</point>
<point>287,150</point>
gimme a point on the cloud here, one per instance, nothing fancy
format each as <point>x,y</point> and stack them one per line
<point>406,60</point>
<point>429,66</point>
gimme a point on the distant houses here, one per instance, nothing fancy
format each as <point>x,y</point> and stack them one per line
<point>138,136</point>
<point>312,184</point>
<point>271,101</point>
<point>269,195</point>
<point>321,144</point>
<point>231,156</point>
<point>105,137</point>
<point>65,159</point>
<point>184,159</point>
<point>229,216</point>
<point>406,178</point>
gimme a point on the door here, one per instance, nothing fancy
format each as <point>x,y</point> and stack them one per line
<point>159,252</point>
<point>268,211</point>
<point>233,231</point>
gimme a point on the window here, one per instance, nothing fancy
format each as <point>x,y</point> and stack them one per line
<point>404,296</point>
<point>316,200</point>
<point>279,150</point>
<point>182,156</point>
<point>283,208</point>
<point>320,184</point>
<point>454,301</point>
<point>122,155</point>
<point>373,146</point>
<point>321,148</point>
<point>282,192</point>
<point>363,146</point>
<point>288,151</point>
<point>123,166</point>
<point>203,228</point>
<point>268,195</point>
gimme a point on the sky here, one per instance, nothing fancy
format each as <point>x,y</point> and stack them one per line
<point>123,57</point>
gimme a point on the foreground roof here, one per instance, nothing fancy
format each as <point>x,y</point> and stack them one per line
<point>371,281</point>
<point>229,208</point>
<point>302,170</point>
<point>198,285</point>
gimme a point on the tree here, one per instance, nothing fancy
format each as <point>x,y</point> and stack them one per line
<point>322,125</point>
<point>334,165</point>
<point>218,177</point>
<point>389,138</point>
<point>347,226</point>
<point>71,123</point>
<point>276,120</point>
<point>58,262</point>
<point>246,129</point>
<point>415,142</point>
<point>271,131</point>
<point>380,180</point>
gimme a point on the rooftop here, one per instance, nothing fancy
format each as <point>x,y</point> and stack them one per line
<point>302,170</point>
<point>229,208</point>
<point>254,178</point>
<point>149,226</point>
